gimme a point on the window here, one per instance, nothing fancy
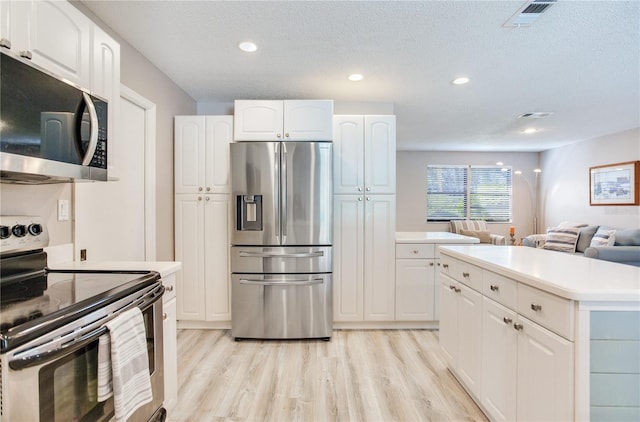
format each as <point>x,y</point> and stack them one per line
<point>468,192</point>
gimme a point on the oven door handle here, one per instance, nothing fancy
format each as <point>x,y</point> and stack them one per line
<point>35,356</point>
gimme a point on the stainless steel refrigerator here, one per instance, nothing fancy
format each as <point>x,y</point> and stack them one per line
<point>281,240</point>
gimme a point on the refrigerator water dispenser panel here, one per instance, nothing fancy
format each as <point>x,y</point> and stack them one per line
<point>249,212</point>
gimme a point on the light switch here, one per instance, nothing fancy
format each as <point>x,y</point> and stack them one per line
<point>63,209</point>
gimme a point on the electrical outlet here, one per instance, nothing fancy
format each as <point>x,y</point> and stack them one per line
<point>83,254</point>
<point>63,209</point>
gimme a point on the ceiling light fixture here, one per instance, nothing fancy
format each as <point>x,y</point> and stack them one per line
<point>530,130</point>
<point>356,77</point>
<point>247,46</point>
<point>499,163</point>
<point>460,81</point>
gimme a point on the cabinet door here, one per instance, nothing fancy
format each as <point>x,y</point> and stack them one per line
<point>348,257</point>
<point>414,289</point>
<point>545,374</point>
<point>190,153</point>
<point>219,134</point>
<point>470,338</point>
<point>499,358</point>
<point>216,246</point>
<point>256,120</point>
<point>348,154</point>
<point>379,258</point>
<point>189,241</point>
<point>436,288</point>
<point>56,34</point>
<point>105,83</point>
<point>308,120</point>
<point>380,154</point>
<point>448,333</point>
<point>170,349</point>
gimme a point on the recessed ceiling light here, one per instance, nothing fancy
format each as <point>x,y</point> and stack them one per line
<point>518,172</point>
<point>247,46</point>
<point>499,163</point>
<point>355,77</point>
<point>460,81</point>
<point>530,130</point>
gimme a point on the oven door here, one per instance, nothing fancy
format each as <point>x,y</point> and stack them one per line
<point>65,380</point>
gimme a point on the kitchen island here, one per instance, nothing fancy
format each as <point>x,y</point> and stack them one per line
<point>541,335</point>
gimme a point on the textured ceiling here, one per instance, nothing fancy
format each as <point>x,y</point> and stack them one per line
<point>579,60</point>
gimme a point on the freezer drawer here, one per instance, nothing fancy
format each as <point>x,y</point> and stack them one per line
<point>278,260</point>
<point>286,306</point>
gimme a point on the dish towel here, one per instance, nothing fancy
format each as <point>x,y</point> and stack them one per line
<point>123,364</point>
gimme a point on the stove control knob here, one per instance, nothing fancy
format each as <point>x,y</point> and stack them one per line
<point>4,232</point>
<point>35,229</point>
<point>19,230</point>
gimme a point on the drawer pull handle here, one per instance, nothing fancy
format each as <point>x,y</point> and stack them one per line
<point>493,288</point>
<point>415,251</point>
<point>465,275</point>
<point>168,288</point>
<point>518,326</point>
<point>445,265</point>
<point>164,316</point>
<point>457,290</point>
<point>452,287</point>
<point>431,264</point>
<point>536,307</point>
<point>507,320</point>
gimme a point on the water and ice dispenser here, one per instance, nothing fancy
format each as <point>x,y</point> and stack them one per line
<point>249,212</point>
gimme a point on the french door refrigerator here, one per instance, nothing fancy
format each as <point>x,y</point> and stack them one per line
<point>281,240</point>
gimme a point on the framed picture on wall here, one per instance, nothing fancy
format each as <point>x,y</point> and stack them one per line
<point>615,184</point>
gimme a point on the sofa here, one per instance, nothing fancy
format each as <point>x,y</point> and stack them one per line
<point>599,242</point>
<point>476,228</point>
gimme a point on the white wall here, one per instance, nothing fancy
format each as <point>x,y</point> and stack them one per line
<point>411,187</point>
<point>564,186</point>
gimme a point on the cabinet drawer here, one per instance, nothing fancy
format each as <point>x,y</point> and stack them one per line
<point>448,265</point>
<point>499,288</point>
<point>469,274</point>
<point>169,283</point>
<point>550,311</point>
<point>414,250</point>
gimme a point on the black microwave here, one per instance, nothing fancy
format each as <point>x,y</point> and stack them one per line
<point>50,131</point>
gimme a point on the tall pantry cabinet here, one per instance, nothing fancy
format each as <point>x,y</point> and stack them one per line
<point>202,215</point>
<point>364,218</point>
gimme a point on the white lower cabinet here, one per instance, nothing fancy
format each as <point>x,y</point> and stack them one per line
<point>170,354</point>
<point>515,368</point>
<point>414,289</point>
<point>364,258</point>
<point>202,245</point>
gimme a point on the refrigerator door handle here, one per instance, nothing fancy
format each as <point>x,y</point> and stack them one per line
<point>283,282</point>
<point>280,255</point>
<point>283,194</point>
<point>276,166</point>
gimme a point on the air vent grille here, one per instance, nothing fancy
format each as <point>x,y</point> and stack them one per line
<point>528,13</point>
<point>535,115</point>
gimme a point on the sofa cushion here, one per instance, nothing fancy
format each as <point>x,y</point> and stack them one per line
<point>483,235</point>
<point>603,237</point>
<point>562,239</point>
<point>584,238</point>
<point>457,225</point>
<point>628,237</point>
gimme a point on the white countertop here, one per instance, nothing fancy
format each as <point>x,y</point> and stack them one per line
<point>566,275</point>
<point>434,237</point>
<point>163,267</point>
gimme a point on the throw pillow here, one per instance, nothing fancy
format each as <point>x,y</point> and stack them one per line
<point>584,237</point>
<point>603,238</point>
<point>483,235</point>
<point>562,239</point>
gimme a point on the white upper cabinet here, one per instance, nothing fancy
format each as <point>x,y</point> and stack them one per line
<point>202,153</point>
<point>288,120</point>
<point>364,154</point>
<point>51,34</point>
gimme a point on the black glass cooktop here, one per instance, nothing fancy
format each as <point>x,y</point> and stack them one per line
<point>58,297</point>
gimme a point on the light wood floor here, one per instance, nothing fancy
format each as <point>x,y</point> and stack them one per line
<point>390,375</point>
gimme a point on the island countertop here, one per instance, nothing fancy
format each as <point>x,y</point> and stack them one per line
<point>565,275</point>
<point>434,237</point>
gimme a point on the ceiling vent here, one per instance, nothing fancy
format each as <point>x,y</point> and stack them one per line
<point>528,13</point>
<point>535,115</point>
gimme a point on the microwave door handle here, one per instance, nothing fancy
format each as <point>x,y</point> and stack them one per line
<point>93,138</point>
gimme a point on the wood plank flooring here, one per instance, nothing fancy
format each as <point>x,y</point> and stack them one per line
<point>369,375</point>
